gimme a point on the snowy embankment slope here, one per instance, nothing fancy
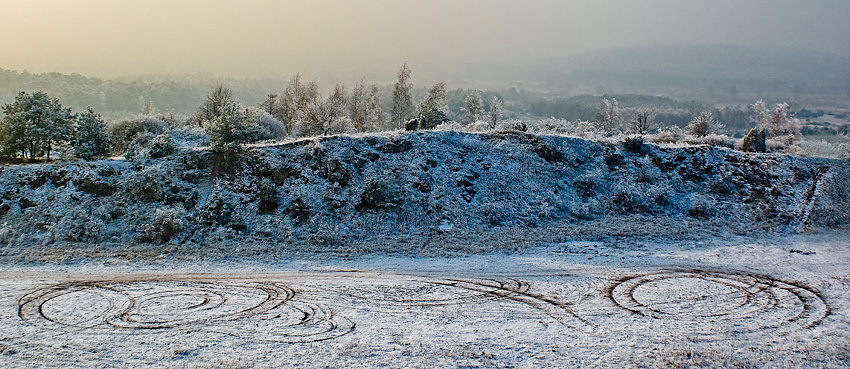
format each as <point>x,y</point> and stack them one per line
<point>422,193</point>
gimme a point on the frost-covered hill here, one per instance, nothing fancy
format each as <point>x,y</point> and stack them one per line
<point>423,193</point>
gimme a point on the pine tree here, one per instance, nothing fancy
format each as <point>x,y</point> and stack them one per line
<point>91,140</point>
<point>216,104</point>
<point>227,134</point>
<point>33,125</point>
<point>402,98</point>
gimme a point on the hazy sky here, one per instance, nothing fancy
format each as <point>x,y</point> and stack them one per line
<point>259,38</point>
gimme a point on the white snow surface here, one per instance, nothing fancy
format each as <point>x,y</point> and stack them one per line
<point>733,302</point>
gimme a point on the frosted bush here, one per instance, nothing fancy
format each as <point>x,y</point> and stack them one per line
<point>138,147</point>
<point>263,125</point>
<point>125,132</point>
<point>222,208</point>
<point>562,127</point>
<point>479,126</point>
<point>77,224</point>
<point>512,125</point>
<point>451,126</point>
<point>668,135</point>
<point>166,223</point>
<point>147,185</point>
<point>711,140</point>
<point>267,196</point>
<point>162,145</point>
<point>378,193</point>
<point>823,149</point>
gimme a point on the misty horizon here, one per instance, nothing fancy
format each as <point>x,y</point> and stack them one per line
<point>270,39</point>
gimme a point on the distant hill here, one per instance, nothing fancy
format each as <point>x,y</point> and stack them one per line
<point>703,65</point>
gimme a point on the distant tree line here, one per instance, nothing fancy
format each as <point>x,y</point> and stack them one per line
<point>34,125</point>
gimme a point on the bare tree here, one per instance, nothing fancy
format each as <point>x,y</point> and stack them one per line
<point>608,118</point>
<point>641,124</point>
<point>495,112</point>
<point>704,124</point>
<point>374,113</point>
<point>402,98</point>
<point>781,124</point>
<point>474,109</point>
<point>761,114</point>
<point>357,106</point>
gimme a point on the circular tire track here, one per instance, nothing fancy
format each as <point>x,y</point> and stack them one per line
<point>747,303</point>
<point>398,295</point>
<point>413,292</point>
<point>263,311</point>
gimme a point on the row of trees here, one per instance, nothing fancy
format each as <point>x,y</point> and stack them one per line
<point>775,121</point>
<point>305,112</point>
<point>34,124</point>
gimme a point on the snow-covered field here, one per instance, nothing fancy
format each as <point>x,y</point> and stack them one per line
<point>428,249</point>
<point>726,302</point>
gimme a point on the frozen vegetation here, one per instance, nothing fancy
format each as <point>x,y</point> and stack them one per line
<point>418,193</point>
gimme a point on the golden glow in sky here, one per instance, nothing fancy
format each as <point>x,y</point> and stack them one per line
<point>269,37</point>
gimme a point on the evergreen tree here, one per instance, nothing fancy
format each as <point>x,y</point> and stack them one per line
<point>216,104</point>
<point>91,140</point>
<point>33,125</point>
<point>227,134</point>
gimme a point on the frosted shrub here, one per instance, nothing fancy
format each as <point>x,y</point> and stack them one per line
<point>222,209</point>
<point>267,196</point>
<point>668,135</point>
<point>78,225</point>
<point>451,127</point>
<point>162,145</point>
<point>579,128</point>
<point>125,132</point>
<point>147,185</point>
<point>512,125</point>
<point>378,193</point>
<point>711,140</point>
<point>166,223</point>
<point>704,124</point>
<point>264,126</point>
<point>139,146</point>
<point>479,126</point>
